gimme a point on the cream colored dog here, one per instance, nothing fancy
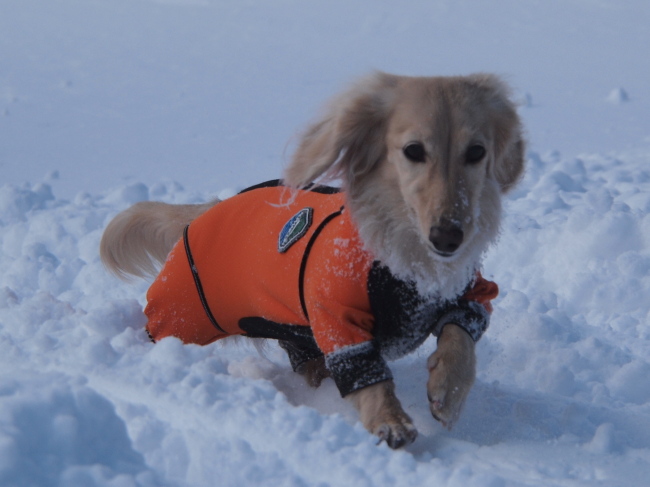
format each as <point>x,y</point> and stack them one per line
<point>424,163</point>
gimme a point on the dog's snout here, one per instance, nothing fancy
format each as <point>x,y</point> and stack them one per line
<point>446,237</point>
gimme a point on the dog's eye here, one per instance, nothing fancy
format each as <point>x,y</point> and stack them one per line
<point>414,152</point>
<point>474,154</point>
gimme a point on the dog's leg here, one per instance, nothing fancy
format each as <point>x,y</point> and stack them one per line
<point>452,370</point>
<point>381,413</point>
<point>314,371</point>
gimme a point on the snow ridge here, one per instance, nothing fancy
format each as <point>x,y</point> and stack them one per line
<point>562,371</point>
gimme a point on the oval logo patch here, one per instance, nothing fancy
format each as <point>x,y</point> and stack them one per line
<point>295,229</point>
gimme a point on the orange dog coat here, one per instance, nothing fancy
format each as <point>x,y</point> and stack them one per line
<point>274,263</point>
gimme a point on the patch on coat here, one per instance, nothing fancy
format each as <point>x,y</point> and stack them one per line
<point>295,229</point>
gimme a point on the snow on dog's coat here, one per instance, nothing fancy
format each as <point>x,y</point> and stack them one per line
<point>424,162</point>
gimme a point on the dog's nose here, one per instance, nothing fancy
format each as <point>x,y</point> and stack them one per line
<point>446,237</point>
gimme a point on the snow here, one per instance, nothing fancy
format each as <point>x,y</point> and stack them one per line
<point>110,102</point>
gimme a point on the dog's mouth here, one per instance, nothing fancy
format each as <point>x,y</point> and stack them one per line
<point>444,255</point>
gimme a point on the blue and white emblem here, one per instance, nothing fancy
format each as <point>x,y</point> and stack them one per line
<point>295,229</point>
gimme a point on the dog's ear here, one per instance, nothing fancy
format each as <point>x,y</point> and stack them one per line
<point>349,140</point>
<point>509,143</point>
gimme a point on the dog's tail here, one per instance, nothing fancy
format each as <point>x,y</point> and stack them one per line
<point>137,241</point>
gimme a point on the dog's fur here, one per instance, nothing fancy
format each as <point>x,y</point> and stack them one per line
<point>398,205</point>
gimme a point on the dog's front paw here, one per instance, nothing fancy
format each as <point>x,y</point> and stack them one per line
<point>452,370</point>
<point>397,434</point>
<point>381,413</point>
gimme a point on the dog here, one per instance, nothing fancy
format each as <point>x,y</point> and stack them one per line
<point>348,278</point>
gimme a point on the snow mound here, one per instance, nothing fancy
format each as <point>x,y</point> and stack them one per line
<point>618,96</point>
<point>562,390</point>
<point>56,431</point>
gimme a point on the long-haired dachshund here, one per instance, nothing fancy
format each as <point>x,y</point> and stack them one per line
<point>348,278</point>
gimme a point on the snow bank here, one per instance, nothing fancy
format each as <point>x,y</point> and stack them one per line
<point>56,431</point>
<point>562,390</point>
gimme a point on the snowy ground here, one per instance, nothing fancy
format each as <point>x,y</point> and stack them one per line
<point>109,102</point>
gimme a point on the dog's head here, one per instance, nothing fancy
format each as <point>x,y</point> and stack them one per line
<point>450,146</point>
